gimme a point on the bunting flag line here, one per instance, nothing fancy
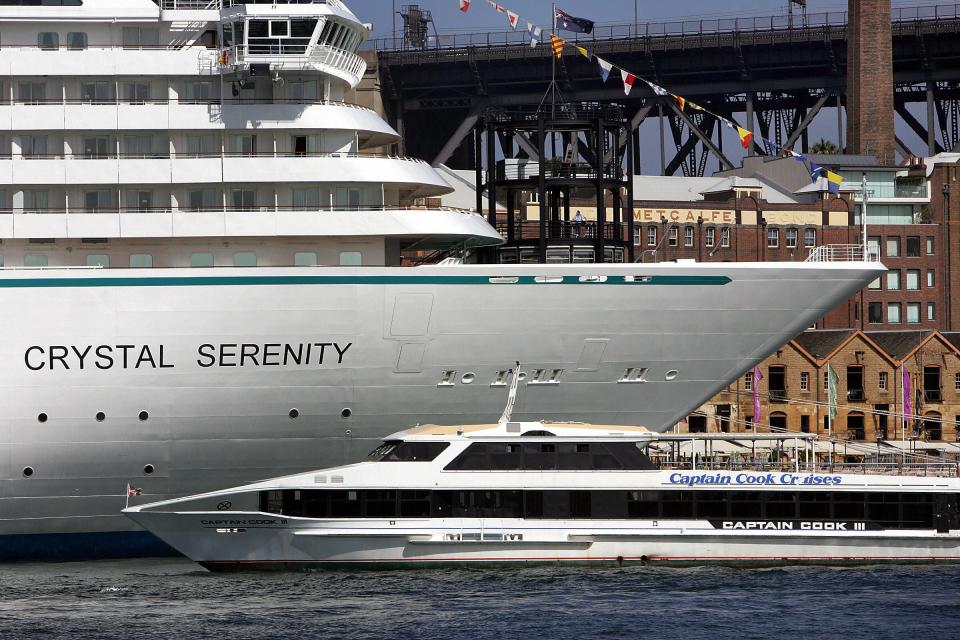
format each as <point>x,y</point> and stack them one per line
<point>605,68</point>
<point>535,34</point>
<point>628,80</point>
<point>557,45</point>
<point>567,22</point>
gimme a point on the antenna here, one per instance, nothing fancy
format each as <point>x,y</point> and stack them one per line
<point>512,395</point>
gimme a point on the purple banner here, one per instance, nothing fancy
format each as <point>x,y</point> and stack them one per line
<point>757,377</point>
<point>907,396</point>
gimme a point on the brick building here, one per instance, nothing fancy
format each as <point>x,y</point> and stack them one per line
<point>793,390</point>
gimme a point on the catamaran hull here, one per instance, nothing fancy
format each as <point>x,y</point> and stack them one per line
<point>185,381</point>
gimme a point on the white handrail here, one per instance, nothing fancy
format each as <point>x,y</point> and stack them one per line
<point>842,253</point>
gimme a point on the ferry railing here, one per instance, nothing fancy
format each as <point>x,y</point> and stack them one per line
<point>842,253</point>
<point>933,469</point>
<point>297,55</point>
<point>167,155</point>
<point>318,208</point>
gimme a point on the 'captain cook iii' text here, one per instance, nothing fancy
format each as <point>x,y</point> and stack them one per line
<point>146,356</point>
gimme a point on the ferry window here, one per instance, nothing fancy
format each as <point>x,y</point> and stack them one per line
<point>913,246</point>
<point>345,504</point>
<point>893,247</point>
<point>244,259</point>
<point>98,260</point>
<point>305,259</point>
<point>380,503</point>
<point>76,40</point>
<point>351,259</point>
<point>1,261</point>
<point>141,261</point>
<point>48,40</point>
<point>35,260</point>
<point>201,259</point>
<point>414,451</point>
<point>415,504</point>
<point>279,28</point>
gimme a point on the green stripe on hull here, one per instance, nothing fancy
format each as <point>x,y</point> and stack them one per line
<point>231,281</point>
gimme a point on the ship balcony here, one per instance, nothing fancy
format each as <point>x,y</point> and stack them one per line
<point>213,115</point>
<point>413,175</point>
<point>440,225</point>
<point>108,61</point>
<point>295,56</point>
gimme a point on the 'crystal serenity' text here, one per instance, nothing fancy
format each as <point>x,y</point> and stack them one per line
<point>133,356</point>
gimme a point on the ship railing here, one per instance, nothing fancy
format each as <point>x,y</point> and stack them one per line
<point>297,55</point>
<point>216,5</point>
<point>312,208</point>
<point>562,230</point>
<point>843,253</point>
<point>189,5</point>
<point>931,469</point>
<point>167,155</point>
<point>114,101</point>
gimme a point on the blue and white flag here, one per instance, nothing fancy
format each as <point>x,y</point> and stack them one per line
<point>535,33</point>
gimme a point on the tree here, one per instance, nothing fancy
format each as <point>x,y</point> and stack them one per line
<point>825,147</point>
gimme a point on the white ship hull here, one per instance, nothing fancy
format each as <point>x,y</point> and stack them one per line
<point>195,410</point>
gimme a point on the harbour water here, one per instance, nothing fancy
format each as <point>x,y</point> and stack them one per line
<point>167,598</point>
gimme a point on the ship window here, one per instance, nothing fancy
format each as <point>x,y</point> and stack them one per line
<point>137,37</point>
<point>537,456</point>
<point>306,199</point>
<point>415,504</point>
<point>141,261</point>
<point>27,472</point>
<point>244,259</point>
<point>201,259</point>
<point>410,451</point>
<point>35,260</point>
<point>98,260</point>
<point>76,40</point>
<point>243,199</point>
<point>351,259</point>
<point>48,40</point>
<point>279,28</point>
<point>305,259</point>
<point>201,200</point>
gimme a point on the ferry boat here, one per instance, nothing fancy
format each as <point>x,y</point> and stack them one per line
<point>548,493</point>
<point>201,281</point>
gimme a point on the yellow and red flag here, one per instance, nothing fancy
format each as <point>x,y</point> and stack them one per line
<point>557,45</point>
<point>746,137</point>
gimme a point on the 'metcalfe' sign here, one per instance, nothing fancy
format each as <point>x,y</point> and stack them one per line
<point>684,215</point>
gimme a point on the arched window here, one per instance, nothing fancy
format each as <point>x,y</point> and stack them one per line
<point>932,428</point>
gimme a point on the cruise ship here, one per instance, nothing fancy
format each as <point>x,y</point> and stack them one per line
<point>203,277</point>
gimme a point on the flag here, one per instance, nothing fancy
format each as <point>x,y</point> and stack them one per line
<point>605,68</point>
<point>834,180</point>
<point>833,380</point>
<point>757,377</point>
<point>568,22</point>
<point>746,137</point>
<point>681,101</point>
<point>628,80</point>
<point>133,491</point>
<point>815,170</point>
<point>496,6</point>
<point>586,54</point>
<point>557,45</point>
<point>907,396</point>
<point>535,34</point>
<point>464,5</point>
<point>657,89</point>
<point>512,18</point>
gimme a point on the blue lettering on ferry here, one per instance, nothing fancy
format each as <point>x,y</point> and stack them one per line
<point>752,478</point>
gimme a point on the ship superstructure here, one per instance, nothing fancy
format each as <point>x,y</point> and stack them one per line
<point>201,280</point>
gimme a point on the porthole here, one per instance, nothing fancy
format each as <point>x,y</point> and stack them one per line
<point>468,378</point>
<point>294,414</point>
<point>101,416</point>
<point>143,415</point>
<point>27,472</point>
<point>671,375</point>
<point>346,413</point>
<point>522,376</point>
<point>42,417</point>
<point>148,469</point>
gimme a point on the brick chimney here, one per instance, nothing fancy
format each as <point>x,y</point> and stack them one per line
<point>870,80</point>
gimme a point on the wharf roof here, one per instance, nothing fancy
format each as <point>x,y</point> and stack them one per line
<point>822,342</point>
<point>898,344</point>
<point>672,188</point>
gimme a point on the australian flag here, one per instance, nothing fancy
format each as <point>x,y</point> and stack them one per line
<point>568,22</point>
